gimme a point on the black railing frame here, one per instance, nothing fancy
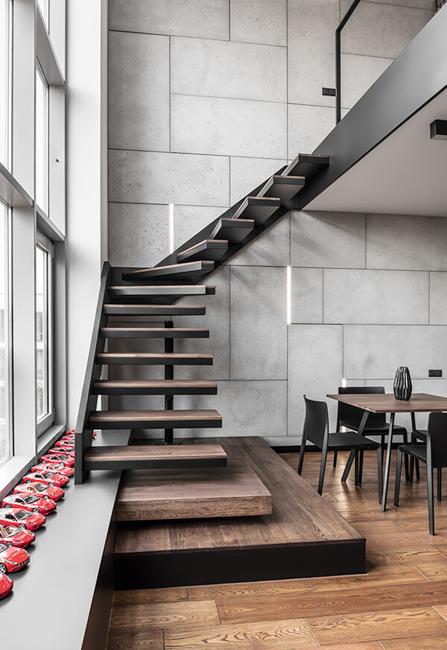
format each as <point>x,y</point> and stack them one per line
<point>338,32</point>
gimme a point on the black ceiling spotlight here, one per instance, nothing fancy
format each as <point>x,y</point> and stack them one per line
<point>438,130</point>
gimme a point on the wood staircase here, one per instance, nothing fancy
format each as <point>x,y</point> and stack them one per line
<point>151,293</point>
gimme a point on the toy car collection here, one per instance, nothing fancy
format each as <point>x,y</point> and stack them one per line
<point>12,558</point>
<point>30,502</point>
<point>15,536</point>
<point>50,478</point>
<point>57,458</point>
<point>60,468</point>
<point>21,518</point>
<point>50,491</point>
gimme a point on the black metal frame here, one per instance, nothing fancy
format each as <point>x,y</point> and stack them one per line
<point>338,32</point>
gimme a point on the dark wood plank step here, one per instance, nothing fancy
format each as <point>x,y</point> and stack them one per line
<point>233,230</point>
<point>186,271</point>
<point>283,187</point>
<point>233,491</point>
<point>258,208</point>
<point>179,419</point>
<point>154,387</point>
<point>306,165</point>
<point>160,290</point>
<point>155,332</point>
<point>155,456</point>
<point>149,358</point>
<point>209,249</point>
<point>153,310</point>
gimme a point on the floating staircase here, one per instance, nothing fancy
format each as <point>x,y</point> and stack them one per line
<point>138,304</point>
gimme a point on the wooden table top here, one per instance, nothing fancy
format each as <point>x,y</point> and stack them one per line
<point>387,403</point>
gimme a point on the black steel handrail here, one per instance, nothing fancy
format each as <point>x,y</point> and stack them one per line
<point>338,32</point>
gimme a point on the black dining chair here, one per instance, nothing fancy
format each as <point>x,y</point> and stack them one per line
<point>433,453</point>
<point>316,430</point>
<point>350,417</point>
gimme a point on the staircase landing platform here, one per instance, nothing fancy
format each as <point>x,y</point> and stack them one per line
<point>303,537</point>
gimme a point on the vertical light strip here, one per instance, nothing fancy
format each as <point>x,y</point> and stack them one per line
<point>344,382</point>
<point>289,295</point>
<point>171,228</point>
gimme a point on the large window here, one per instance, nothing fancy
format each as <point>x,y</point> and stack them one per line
<point>44,333</point>
<point>41,140</point>
<point>44,6</point>
<point>5,355</point>
<point>5,78</point>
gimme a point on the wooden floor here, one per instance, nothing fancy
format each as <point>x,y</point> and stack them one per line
<point>400,604</point>
<point>295,540</point>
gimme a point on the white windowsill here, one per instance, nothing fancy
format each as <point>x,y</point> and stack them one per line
<point>12,471</point>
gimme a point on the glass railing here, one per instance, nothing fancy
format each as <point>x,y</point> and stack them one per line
<point>370,36</point>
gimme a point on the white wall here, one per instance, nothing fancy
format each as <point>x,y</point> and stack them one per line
<point>86,179</point>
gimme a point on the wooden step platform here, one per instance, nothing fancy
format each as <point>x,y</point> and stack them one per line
<point>283,187</point>
<point>154,310</point>
<point>234,491</point>
<point>233,230</point>
<point>125,332</point>
<point>155,456</point>
<point>150,358</point>
<point>154,387</point>
<point>258,208</point>
<point>187,271</point>
<point>209,249</point>
<point>306,165</point>
<point>166,419</point>
<point>303,537</point>
<point>157,290</point>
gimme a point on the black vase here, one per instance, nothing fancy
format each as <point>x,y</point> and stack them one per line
<point>402,384</point>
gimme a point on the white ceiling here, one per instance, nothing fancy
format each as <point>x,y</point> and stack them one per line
<point>405,174</point>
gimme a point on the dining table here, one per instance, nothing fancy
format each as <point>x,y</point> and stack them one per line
<point>388,404</point>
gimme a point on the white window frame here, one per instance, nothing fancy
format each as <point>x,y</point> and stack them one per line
<point>8,103</point>
<point>43,205</point>
<point>45,422</point>
<point>9,386</point>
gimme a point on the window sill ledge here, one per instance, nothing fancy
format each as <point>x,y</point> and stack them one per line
<point>12,471</point>
<point>47,439</point>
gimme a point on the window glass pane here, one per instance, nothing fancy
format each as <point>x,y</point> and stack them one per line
<point>42,334</point>
<point>44,6</point>
<point>5,95</point>
<point>5,374</point>
<point>41,140</point>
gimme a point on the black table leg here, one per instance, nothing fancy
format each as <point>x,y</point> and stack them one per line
<point>386,477</point>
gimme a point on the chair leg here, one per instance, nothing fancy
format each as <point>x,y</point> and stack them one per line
<point>379,473</point>
<point>334,462</point>
<point>348,466</point>
<point>361,466</point>
<point>356,468</point>
<point>408,475</point>
<point>431,500</point>
<point>439,473</point>
<point>398,474</point>
<point>418,472</point>
<point>412,439</point>
<point>322,471</point>
<point>301,457</point>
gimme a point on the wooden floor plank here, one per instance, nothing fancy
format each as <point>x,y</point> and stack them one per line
<point>421,643</point>
<point>281,635</point>
<point>371,626</point>
<point>136,639</point>
<point>164,615</point>
<point>144,596</point>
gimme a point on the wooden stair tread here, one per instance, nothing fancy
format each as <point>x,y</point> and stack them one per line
<point>155,332</point>
<point>186,270</point>
<point>258,208</point>
<point>163,358</point>
<point>232,491</point>
<point>153,456</point>
<point>154,387</point>
<point>233,230</point>
<point>163,290</point>
<point>306,165</point>
<point>155,419</point>
<point>283,187</point>
<point>153,310</point>
<point>210,249</point>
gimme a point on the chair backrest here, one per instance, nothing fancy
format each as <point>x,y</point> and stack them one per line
<point>316,422</point>
<point>351,416</point>
<point>437,438</point>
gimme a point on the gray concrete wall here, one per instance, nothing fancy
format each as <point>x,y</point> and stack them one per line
<point>209,97</point>
<point>206,99</point>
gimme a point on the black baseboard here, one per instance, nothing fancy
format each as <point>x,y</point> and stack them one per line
<point>148,570</point>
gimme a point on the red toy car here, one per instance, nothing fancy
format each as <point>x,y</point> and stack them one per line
<point>16,537</point>
<point>21,518</point>
<point>42,489</point>
<point>53,467</point>
<point>64,443</point>
<point>30,502</point>
<point>59,458</point>
<point>50,478</point>
<point>12,558</point>
<point>6,585</point>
